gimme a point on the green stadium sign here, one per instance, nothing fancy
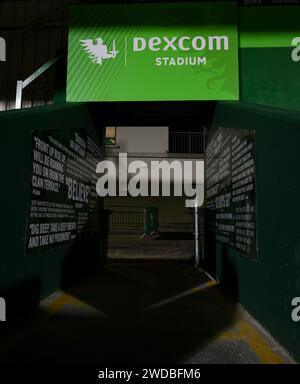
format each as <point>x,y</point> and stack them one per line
<point>137,52</point>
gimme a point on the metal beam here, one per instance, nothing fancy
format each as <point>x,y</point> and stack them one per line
<point>19,94</point>
<point>23,84</point>
<point>39,72</point>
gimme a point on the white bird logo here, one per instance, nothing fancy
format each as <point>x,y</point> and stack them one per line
<point>98,52</point>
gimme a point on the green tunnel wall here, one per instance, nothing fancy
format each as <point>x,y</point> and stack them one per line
<point>269,101</point>
<point>27,278</point>
<point>266,286</point>
<point>268,75</point>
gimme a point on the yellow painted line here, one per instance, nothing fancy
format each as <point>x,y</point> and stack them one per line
<point>56,304</point>
<point>50,306</point>
<point>259,344</point>
<point>243,330</point>
<point>62,300</point>
<point>181,295</point>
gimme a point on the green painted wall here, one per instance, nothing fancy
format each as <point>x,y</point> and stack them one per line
<point>268,75</point>
<point>25,279</point>
<point>266,287</point>
<point>268,26</point>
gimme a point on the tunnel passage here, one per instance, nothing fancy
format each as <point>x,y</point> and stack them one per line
<point>139,295</point>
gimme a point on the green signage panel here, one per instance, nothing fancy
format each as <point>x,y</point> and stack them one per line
<point>137,52</point>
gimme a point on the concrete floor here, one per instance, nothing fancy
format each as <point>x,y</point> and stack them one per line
<point>165,246</point>
<point>141,312</point>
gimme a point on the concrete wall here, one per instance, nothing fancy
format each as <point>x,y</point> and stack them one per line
<point>143,139</point>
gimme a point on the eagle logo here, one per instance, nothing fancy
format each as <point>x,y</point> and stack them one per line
<point>99,51</point>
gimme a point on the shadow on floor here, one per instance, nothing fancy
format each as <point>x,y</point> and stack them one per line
<point>176,236</point>
<point>168,246</point>
<point>125,331</point>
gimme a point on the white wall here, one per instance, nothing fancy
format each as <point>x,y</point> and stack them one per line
<point>143,139</point>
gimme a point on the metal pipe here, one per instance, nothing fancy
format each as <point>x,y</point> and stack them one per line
<point>22,84</point>
<point>197,238</point>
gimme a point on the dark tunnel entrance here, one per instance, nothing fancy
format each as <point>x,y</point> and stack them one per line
<point>151,133</point>
<point>127,311</point>
<point>140,278</point>
<point>148,288</point>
